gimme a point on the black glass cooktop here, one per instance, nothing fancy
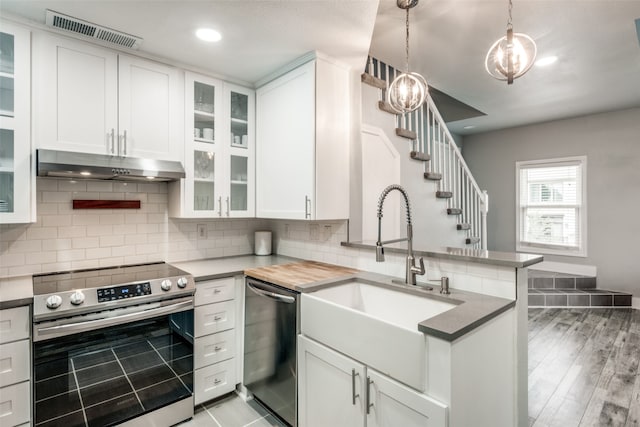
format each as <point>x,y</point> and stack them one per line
<point>102,277</point>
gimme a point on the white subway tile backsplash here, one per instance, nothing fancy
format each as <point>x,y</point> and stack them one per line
<point>113,240</point>
<point>12,259</point>
<point>98,253</point>
<point>100,186</point>
<point>85,242</point>
<point>73,186</point>
<point>100,230</point>
<point>71,255</point>
<point>56,244</point>
<point>56,220</point>
<point>56,197</point>
<point>34,233</point>
<point>72,231</point>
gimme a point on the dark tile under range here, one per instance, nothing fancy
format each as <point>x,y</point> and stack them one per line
<point>182,366</point>
<point>162,394</point>
<point>56,385</point>
<point>99,373</point>
<point>57,406</point>
<point>141,361</point>
<point>585,282</point>
<point>536,300</point>
<point>75,419</point>
<point>175,351</point>
<point>106,390</point>
<point>564,282</point>
<point>151,376</point>
<point>132,349</point>
<point>543,282</point>
<point>52,368</point>
<point>86,360</point>
<point>118,410</point>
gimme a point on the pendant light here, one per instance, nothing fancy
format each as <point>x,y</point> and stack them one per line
<point>408,90</point>
<point>511,56</point>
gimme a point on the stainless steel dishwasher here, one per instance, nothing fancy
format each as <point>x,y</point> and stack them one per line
<point>271,314</point>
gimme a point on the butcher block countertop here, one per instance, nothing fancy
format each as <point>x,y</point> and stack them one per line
<point>297,276</point>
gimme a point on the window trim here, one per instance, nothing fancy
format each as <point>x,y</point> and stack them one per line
<point>551,249</point>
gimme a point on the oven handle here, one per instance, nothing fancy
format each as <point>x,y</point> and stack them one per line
<point>115,319</point>
<point>272,295</point>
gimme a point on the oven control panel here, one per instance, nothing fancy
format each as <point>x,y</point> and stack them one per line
<point>124,291</point>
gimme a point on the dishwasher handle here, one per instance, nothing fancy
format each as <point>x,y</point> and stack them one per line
<point>272,295</point>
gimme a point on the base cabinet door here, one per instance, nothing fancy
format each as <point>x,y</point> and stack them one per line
<point>394,404</point>
<point>335,390</point>
<point>330,387</point>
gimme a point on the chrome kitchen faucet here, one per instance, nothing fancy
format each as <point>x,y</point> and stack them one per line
<point>411,269</point>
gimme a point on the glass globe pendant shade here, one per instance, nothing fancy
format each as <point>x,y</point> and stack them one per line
<point>407,92</point>
<point>511,56</point>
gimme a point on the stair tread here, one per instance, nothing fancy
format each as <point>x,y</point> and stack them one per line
<point>406,133</point>
<point>433,176</point>
<point>385,106</point>
<point>373,81</point>
<point>444,194</point>
<point>463,226</point>
<point>454,211</point>
<point>418,155</point>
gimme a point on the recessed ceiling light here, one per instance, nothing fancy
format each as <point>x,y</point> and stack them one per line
<point>547,60</point>
<point>208,34</point>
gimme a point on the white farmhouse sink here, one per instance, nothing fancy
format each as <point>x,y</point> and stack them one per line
<point>375,325</point>
<point>398,308</point>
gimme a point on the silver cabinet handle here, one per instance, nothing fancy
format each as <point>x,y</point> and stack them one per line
<point>227,205</point>
<point>113,140</point>
<point>307,207</point>
<point>124,144</point>
<point>220,206</point>
<point>368,399</point>
<point>354,374</point>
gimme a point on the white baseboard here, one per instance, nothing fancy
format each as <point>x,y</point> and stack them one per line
<point>563,267</point>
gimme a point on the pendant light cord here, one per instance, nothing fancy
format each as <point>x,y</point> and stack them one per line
<point>407,50</point>
<point>509,22</point>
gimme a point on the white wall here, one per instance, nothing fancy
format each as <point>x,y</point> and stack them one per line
<point>64,239</point>
<point>611,142</point>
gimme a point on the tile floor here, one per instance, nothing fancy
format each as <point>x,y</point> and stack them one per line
<point>232,411</point>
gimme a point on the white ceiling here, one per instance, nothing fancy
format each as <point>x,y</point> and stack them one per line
<point>596,42</point>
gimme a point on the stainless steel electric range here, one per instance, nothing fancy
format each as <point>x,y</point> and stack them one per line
<point>113,346</point>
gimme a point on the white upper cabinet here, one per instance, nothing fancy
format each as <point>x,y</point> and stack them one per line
<point>93,100</point>
<point>219,151</point>
<point>302,138</point>
<point>17,204</point>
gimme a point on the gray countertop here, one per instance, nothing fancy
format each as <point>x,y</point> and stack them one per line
<point>16,291</point>
<point>505,259</point>
<point>216,268</point>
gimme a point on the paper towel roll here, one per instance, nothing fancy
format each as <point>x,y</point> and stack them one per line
<point>262,243</point>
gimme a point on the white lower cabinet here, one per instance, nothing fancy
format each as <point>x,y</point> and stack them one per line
<point>336,390</point>
<point>15,366</point>
<point>217,313</point>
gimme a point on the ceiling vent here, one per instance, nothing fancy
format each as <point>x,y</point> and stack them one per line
<point>88,29</point>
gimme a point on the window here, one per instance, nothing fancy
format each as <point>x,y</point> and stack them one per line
<point>551,199</point>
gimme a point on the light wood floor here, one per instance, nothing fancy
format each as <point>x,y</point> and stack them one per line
<point>583,367</point>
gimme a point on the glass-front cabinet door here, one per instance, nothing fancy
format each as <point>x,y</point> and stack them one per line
<point>241,105</point>
<point>219,151</point>
<point>16,182</point>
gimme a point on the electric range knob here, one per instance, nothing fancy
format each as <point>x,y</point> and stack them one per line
<point>165,285</point>
<point>54,301</point>
<point>182,282</point>
<point>77,298</point>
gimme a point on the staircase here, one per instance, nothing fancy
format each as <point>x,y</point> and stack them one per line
<point>550,289</point>
<point>432,144</point>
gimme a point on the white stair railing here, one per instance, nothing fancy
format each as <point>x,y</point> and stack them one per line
<point>434,139</point>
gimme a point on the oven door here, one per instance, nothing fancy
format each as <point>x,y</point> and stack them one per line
<point>101,372</point>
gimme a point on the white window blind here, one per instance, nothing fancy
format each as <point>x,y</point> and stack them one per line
<point>551,213</point>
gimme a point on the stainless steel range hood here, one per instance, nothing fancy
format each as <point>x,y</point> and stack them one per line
<point>67,164</point>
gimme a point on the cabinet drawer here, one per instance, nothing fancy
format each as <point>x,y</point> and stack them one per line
<point>214,348</point>
<point>14,404</point>
<point>215,291</point>
<point>14,362</point>
<point>214,380</point>
<point>14,324</point>
<point>213,318</point>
